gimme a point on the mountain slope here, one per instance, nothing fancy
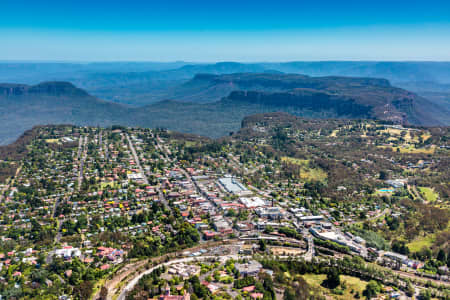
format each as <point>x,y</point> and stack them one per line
<point>346,96</point>
<point>139,88</point>
<point>23,106</point>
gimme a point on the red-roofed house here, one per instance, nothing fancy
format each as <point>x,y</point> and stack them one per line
<point>249,289</point>
<point>168,296</point>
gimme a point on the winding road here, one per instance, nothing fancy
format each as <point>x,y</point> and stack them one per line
<point>135,280</point>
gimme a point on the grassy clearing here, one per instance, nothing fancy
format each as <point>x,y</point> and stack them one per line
<point>354,283</point>
<point>429,150</point>
<point>286,251</point>
<point>391,131</point>
<point>397,133</point>
<point>51,141</point>
<point>113,185</point>
<point>296,161</point>
<point>428,193</point>
<point>351,283</point>
<point>313,175</point>
<point>419,243</point>
<point>334,133</point>
<point>426,136</point>
<point>408,136</point>
<point>410,149</point>
<point>425,241</point>
<point>307,173</point>
<point>314,279</point>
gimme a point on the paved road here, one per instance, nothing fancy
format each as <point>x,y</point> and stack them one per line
<point>83,157</point>
<point>162,149</point>
<point>310,254</point>
<point>11,182</point>
<point>413,190</point>
<point>55,206</point>
<point>385,211</point>
<point>58,236</point>
<point>379,215</point>
<point>163,200</point>
<point>136,159</point>
<point>80,144</point>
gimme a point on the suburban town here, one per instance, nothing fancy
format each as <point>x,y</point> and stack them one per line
<point>130,213</point>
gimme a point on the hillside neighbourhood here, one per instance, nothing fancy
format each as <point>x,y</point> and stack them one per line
<point>286,208</point>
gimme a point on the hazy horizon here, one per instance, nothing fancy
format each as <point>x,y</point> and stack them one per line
<point>204,31</point>
<point>212,62</point>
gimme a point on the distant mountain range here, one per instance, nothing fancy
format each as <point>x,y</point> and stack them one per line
<point>214,105</point>
<point>354,97</point>
<point>142,83</point>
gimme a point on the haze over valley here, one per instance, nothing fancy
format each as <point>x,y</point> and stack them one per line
<point>212,99</point>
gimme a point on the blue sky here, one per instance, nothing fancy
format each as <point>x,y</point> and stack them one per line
<point>218,30</point>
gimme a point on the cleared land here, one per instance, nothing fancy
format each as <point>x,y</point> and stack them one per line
<point>286,251</point>
<point>306,173</point>
<point>428,193</point>
<point>419,243</point>
<point>353,286</point>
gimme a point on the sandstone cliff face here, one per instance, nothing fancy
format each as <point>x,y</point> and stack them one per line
<point>57,89</point>
<point>345,97</point>
<point>310,100</point>
<point>45,88</point>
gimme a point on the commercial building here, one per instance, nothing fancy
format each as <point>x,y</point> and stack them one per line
<point>335,237</point>
<point>222,226</point>
<point>68,252</point>
<point>251,268</point>
<point>252,202</point>
<point>270,212</point>
<point>232,185</point>
<point>184,270</point>
<point>396,256</point>
<point>311,218</point>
